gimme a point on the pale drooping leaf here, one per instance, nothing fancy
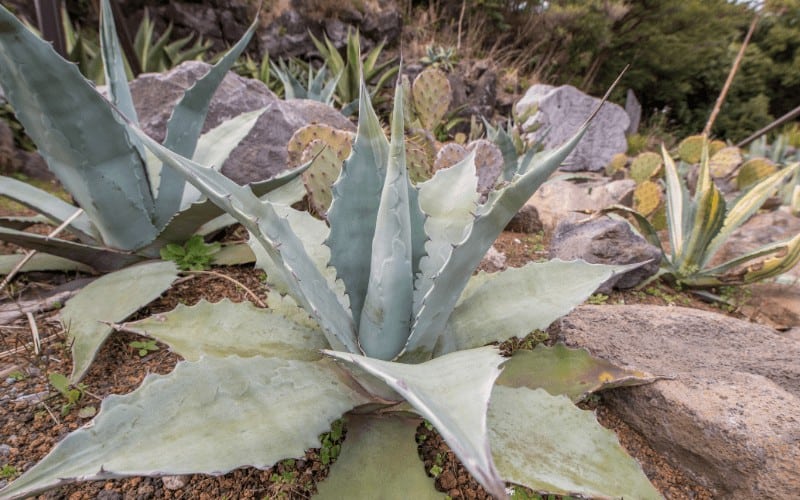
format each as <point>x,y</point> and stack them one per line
<point>678,206</point>
<point>385,319</point>
<point>111,298</point>
<point>547,444</point>
<point>451,392</point>
<point>517,301</point>
<point>234,255</point>
<point>379,459</point>
<point>41,262</point>
<point>561,370</point>
<point>228,328</point>
<point>209,416</point>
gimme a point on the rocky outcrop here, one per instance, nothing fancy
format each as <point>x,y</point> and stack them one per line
<point>729,417</point>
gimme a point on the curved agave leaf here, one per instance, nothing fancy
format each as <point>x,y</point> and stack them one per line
<point>228,328</point>
<point>547,444</point>
<point>209,416</point>
<point>386,317</point>
<point>84,144</point>
<point>99,258</point>
<point>110,298</point>
<point>678,208</point>
<point>452,393</point>
<point>514,302</point>
<point>114,66</point>
<point>293,266</point>
<point>379,459</point>
<point>23,222</point>
<point>51,206</point>
<point>41,262</point>
<point>560,370</point>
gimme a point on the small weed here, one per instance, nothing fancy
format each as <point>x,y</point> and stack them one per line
<point>8,471</point>
<point>597,299</point>
<point>17,376</point>
<point>194,255</point>
<point>669,298</point>
<point>535,241</point>
<point>72,394</point>
<point>436,470</point>
<point>331,443</point>
<point>144,347</point>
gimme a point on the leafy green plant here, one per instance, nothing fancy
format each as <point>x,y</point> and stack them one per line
<point>72,394</point>
<point>331,443</point>
<point>156,55</point>
<point>144,347</point>
<point>194,255</point>
<point>318,86</point>
<point>439,57</point>
<point>17,375</point>
<point>597,299</point>
<point>8,471</point>
<point>700,224</point>
<point>392,331</point>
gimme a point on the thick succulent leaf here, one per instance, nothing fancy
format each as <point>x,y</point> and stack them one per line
<point>89,151</point>
<point>492,217</point>
<point>209,416</point>
<point>356,197</point>
<point>21,223</point>
<point>379,459</point>
<point>228,328</point>
<point>386,317</point>
<point>417,219</point>
<point>746,205</point>
<point>546,443</point>
<point>677,204</point>
<point>185,124</point>
<point>561,370</point>
<point>51,206</point>
<point>234,254</point>
<point>41,262</point>
<point>111,298</point>
<point>114,65</point>
<point>644,226</point>
<point>99,258</point>
<point>293,266</point>
<point>516,301</point>
<point>449,199</point>
<point>215,146</point>
<point>451,392</point>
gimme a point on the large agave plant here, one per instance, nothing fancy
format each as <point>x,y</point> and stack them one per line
<point>130,205</point>
<point>393,332</point>
<point>700,224</point>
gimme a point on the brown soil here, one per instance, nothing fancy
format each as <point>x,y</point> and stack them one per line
<point>31,420</point>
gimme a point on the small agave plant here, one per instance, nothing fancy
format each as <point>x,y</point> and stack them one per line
<point>128,205</point>
<point>384,324</point>
<point>700,224</point>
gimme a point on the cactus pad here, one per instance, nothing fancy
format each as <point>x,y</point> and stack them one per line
<point>431,94</point>
<point>715,146</point>
<point>753,171</point>
<point>724,162</point>
<point>488,163</point>
<point>690,149</point>
<point>645,166</point>
<point>340,141</point>
<point>647,197</point>
<point>617,164</point>
<point>420,156</point>
<point>450,154</point>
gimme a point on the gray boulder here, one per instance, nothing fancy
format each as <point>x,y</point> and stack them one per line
<point>730,417</point>
<point>606,241</point>
<point>262,154</point>
<point>554,114</point>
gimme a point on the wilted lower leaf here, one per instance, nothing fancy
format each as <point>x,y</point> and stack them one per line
<point>563,371</point>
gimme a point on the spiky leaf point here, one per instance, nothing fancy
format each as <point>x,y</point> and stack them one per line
<point>293,265</point>
<point>645,166</point>
<point>228,328</point>
<point>754,170</point>
<point>114,66</point>
<point>498,306</point>
<point>690,149</point>
<point>251,411</point>
<point>450,154</point>
<point>379,459</point>
<point>560,370</point>
<point>431,95</point>
<point>724,162</point>
<point>111,298</point>
<point>89,152</point>
<point>547,444</point>
<point>647,197</point>
<point>452,393</point>
<point>386,317</point>
<point>51,206</point>
<point>488,163</point>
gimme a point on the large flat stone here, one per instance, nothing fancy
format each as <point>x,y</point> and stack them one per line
<point>730,418</point>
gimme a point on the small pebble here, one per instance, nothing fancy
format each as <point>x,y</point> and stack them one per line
<point>174,482</point>
<point>5,450</point>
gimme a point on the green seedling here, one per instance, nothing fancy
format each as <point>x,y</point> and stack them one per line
<point>8,471</point>
<point>194,255</point>
<point>144,347</point>
<point>72,394</point>
<point>597,299</point>
<point>331,443</point>
<point>17,375</point>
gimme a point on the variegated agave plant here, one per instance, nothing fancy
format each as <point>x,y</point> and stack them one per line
<point>699,226</point>
<point>130,205</point>
<point>394,331</point>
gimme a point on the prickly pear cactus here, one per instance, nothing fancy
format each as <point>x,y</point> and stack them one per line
<point>450,154</point>
<point>645,166</point>
<point>647,197</point>
<point>724,162</point>
<point>617,164</point>
<point>488,163</point>
<point>754,170</point>
<point>431,95</point>
<point>328,148</point>
<point>690,149</point>
<point>420,156</point>
<point>715,146</point>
